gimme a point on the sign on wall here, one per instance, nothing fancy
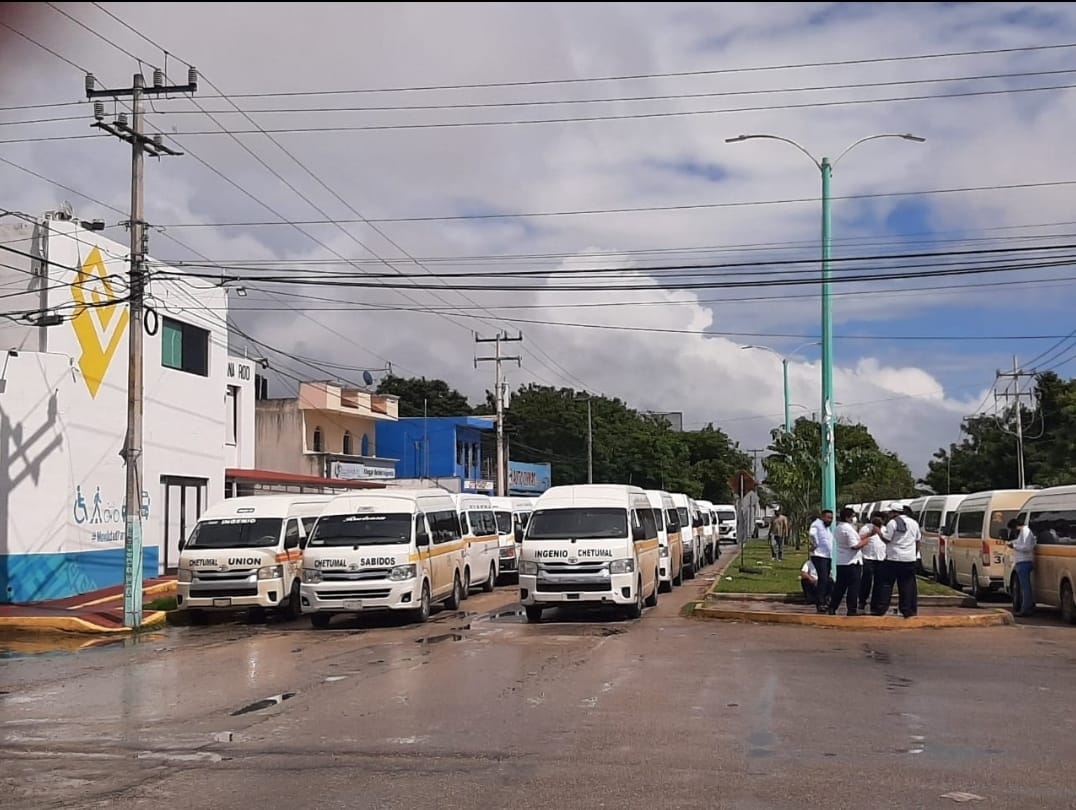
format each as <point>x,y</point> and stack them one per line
<point>357,471</point>
<point>524,479</point>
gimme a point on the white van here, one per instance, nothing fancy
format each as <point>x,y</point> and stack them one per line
<point>1051,517</point>
<point>512,514</point>
<point>395,549</point>
<point>978,554</point>
<point>936,514</point>
<point>244,552</point>
<point>689,539</point>
<point>726,522</point>
<point>710,538</point>
<point>482,554</point>
<point>671,549</point>
<point>590,544</point>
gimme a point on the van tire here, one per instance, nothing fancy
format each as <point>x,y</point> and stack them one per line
<point>665,587</point>
<point>466,582</point>
<point>975,590</point>
<point>456,597</point>
<point>954,583</point>
<point>636,611</point>
<point>1068,606</point>
<point>421,614</point>
<point>678,577</point>
<point>319,621</point>
<point>491,580</point>
<point>534,613</point>
<point>689,571</point>
<point>938,576</point>
<point>652,600</point>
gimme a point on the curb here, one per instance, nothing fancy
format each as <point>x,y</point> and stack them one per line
<point>994,617</point>
<point>160,589</point>
<point>797,599</point>
<point>42,625</point>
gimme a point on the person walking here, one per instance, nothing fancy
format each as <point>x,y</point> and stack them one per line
<point>821,548</point>
<point>901,537</point>
<point>779,531</point>
<point>873,557</point>
<point>1023,546</point>
<point>848,545</point>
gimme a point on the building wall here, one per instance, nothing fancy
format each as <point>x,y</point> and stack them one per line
<point>408,439</point>
<point>333,426</point>
<point>63,422</point>
<point>279,438</point>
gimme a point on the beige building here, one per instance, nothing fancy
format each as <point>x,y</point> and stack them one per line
<point>326,431</point>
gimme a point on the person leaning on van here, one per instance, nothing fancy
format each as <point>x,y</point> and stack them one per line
<point>1023,546</point>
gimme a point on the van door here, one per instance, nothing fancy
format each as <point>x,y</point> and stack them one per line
<point>424,546</point>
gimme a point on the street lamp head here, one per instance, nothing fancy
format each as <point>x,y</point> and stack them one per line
<point>737,138</point>
<point>909,137</point>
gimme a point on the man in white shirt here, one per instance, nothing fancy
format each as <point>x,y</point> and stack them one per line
<point>821,539</point>
<point>809,582</point>
<point>901,537</point>
<point>1023,546</point>
<point>873,557</point>
<point>847,543</point>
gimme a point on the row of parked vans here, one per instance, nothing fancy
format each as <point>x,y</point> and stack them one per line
<point>965,541</point>
<point>406,550</point>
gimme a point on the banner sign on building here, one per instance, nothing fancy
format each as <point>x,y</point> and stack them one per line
<point>528,479</point>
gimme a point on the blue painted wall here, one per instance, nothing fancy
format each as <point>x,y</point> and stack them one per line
<point>37,577</point>
<point>454,443</point>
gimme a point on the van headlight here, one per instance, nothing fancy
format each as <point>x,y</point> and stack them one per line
<point>271,572</point>
<point>311,576</point>
<point>184,575</point>
<point>402,572</point>
<point>663,551</point>
<point>528,568</point>
<point>622,566</point>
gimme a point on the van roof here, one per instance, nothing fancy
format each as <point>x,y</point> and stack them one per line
<point>705,504</point>
<point>386,498</point>
<point>589,495</point>
<point>265,506</point>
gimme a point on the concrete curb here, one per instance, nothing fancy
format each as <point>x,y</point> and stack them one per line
<point>995,617</point>
<point>158,590</point>
<point>795,599</point>
<point>73,624</point>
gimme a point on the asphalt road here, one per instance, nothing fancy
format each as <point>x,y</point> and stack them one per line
<point>478,709</point>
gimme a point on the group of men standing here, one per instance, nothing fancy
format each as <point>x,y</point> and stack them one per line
<point>870,559</point>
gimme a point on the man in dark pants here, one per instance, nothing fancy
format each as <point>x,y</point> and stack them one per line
<point>822,556</point>
<point>901,536</point>
<point>847,553</point>
<point>873,558</point>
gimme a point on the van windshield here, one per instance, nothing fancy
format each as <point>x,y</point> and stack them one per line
<point>578,524</point>
<point>504,522</point>
<point>725,517</point>
<point>236,532</point>
<point>365,529</point>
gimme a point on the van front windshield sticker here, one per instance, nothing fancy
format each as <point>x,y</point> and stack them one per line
<point>578,524</point>
<point>236,533</point>
<point>362,530</point>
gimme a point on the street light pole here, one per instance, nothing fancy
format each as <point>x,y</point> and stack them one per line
<point>784,374</point>
<point>788,407</point>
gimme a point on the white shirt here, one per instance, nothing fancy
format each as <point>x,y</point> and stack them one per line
<point>846,537</point>
<point>875,549</point>
<point>901,545</point>
<point>1024,546</point>
<point>823,539</point>
<point>809,569</point>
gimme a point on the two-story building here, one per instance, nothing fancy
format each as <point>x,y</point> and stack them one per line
<point>445,449</point>
<point>63,408</point>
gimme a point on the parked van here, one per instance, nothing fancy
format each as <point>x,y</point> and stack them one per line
<point>726,522</point>
<point>482,554</point>
<point>671,549</point>
<point>512,515</point>
<point>689,540</point>
<point>244,552</point>
<point>1051,517</point>
<point>977,552</point>
<point>936,512</point>
<point>709,530</point>
<point>395,549</point>
<point>590,544</point>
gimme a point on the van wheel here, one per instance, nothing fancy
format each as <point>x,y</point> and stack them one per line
<point>678,578</point>
<point>422,613</point>
<point>466,582</point>
<point>456,598</point>
<point>1068,606</point>
<point>636,610</point>
<point>294,606</point>
<point>491,580</point>
<point>665,587</point>
<point>534,613</point>
<point>689,571</point>
<point>954,583</point>
<point>319,621</point>
<point>652,600</point>
<point>975,590</point>
<point>939,577</point>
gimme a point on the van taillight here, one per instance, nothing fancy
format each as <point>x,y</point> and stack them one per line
<point>985,552</point>
<point>941,543</point>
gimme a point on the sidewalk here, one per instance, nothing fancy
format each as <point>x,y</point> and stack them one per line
<point>778,611</point>
<point>98,612</point>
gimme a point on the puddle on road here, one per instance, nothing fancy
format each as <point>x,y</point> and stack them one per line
<point>439,638</point>
<point>266,703</point>
<point>14,648</point>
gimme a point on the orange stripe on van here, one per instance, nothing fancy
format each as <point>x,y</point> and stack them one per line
<point>289,556</point>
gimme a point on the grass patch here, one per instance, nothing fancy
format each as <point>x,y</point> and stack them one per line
<point>161,603</point>
<point>783,576</point>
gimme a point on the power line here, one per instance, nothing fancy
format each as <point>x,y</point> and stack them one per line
<point>43,47</point>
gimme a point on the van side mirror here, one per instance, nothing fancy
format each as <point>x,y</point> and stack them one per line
<point>519,534</point>
<point>638,534</point>
<point>181,544</point>
<point>290,543</point>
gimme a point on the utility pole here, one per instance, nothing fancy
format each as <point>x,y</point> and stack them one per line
<point>132,447</point>
<point>1016,375</point>
<point>590,444</point>
<point>498,358</point>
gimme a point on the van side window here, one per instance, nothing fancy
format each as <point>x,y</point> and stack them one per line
<point>444,526</point>
<point>308,525</point>
<point>645,518</point>
<point>1053,527</point>
<point>463,523</point>
<point>932,520</point>
<point>660,521</point>
<point>482,523</point>
<point>970,525</point>
<point>291,534</point>
<point>673,521</point>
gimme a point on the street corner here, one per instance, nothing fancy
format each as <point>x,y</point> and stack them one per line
<point>16,625</point>
<point>770,613</point>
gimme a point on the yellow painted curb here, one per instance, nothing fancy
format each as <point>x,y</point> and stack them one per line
<point>160,589</point>
<point>993,618</point>
<point>73,624</point>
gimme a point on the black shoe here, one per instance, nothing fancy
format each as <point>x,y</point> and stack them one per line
<point>820,609</point>
<point>831,612</point>
<point>854,613</point>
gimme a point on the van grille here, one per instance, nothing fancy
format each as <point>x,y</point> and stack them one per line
<point>379,593</point>
<point>573,587</point>
<point>355,576</point>
<point>588,568</point>
<point>209,593</point>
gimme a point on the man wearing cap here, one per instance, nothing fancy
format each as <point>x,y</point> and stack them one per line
<point>901,537</point>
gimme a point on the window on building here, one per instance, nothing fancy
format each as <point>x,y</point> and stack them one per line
<point>184,347</point>
<point>319,441</point>
<point>231,410</point>
<point>347,443</point>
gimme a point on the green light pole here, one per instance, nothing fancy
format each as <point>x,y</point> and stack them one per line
<point>784,375</point>
<point>825,167</point>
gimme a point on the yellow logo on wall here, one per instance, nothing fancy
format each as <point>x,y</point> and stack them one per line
<point>98,324</point>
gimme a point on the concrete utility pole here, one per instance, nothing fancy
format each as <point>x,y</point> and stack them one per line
<point>502,337</point>
<point>132,447</point>
<point>1016,375</point>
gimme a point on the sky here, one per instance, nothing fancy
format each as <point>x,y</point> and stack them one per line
<point>525,170</point>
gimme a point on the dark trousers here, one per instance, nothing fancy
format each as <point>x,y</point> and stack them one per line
<point>777,547</point>
<point>825,584</point>
<point>867,584</point>
<point>810,592</point>
<point>903,575</point>
<point>848,579</point>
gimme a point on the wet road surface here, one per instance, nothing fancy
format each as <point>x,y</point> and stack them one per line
<point>479,709</point>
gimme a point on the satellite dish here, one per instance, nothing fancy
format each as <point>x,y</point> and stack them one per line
<point>368,378</point>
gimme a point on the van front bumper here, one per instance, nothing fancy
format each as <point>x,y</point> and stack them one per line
<point>229,594</point>
<point>615,589</point>
<point>353,597</point>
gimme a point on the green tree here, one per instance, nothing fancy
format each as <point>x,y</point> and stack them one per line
<point>714,458</point>
<point>418,392</point>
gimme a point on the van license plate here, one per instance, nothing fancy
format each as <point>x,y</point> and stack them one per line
<point>352,604</point>
<point>222,603</point>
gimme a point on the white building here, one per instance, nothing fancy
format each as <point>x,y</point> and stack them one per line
<point>63,410</point>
